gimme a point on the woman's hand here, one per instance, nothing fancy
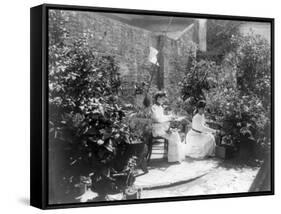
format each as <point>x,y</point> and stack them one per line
<point>170,117</point>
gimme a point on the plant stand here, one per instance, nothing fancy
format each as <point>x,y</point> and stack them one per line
<point>224,151</point>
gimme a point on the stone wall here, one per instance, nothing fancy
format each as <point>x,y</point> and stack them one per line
<point>130,45</point>
<point>177,53</point>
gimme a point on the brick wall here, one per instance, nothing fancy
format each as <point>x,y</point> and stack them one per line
<point>130,45</point>
<point>177,51</point>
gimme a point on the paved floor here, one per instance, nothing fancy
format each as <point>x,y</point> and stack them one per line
<point>219,181</point>
<point>163,174</point>
<point>192,177</point>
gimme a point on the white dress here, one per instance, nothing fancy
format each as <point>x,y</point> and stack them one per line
<point>160,126</point>
<point>200,142</point>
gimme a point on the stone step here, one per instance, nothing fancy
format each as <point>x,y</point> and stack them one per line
<point>158,151</point>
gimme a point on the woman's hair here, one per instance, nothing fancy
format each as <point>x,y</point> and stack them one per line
<point>200,104</point>
<point>159,94</point>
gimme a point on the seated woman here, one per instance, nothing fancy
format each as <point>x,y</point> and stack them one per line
<point>160,127</point>
<point>200,142</point>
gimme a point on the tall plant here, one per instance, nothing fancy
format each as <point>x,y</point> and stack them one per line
<point>244,107</point>
<point>252,64</point>
<point>86,126</point>
<point>200,77</point>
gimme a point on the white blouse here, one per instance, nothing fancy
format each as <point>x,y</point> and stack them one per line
<point>160,121</point>
<point>198,123</point>
<point>157,114</point>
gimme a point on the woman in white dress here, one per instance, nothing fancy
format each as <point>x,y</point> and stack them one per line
<point>160,127</point>
<point>200,141</point>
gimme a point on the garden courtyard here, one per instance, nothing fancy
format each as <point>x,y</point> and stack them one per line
<point>105,74</point>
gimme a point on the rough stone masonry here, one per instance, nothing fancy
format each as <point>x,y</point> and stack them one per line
<point>130,45</point>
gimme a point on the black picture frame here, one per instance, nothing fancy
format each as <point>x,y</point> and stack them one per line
<point>39,105</point>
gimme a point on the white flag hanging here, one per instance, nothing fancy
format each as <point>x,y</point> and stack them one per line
<point>153,55</point>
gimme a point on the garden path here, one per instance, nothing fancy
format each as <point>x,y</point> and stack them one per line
<point>220,180</point>
<point>162,174</point>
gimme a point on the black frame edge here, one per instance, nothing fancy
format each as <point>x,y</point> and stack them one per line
<point>272,159</point>
<point>36,143</point>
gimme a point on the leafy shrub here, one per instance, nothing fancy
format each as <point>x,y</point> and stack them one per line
<point>244,107</point>
<point>240,102</point>
<point>86,127</point>
<point>242,117</point>
<point>200,78</point>
<point>252,63</point>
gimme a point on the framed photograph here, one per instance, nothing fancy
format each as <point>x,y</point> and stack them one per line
<point>134,106</point>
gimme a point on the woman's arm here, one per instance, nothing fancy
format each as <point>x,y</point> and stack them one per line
<point>199,124</point>
<point>208,129</point>
<point>158,116</point>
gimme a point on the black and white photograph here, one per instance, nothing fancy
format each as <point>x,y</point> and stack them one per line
<point>150,106</point>
<point>140,107</point>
